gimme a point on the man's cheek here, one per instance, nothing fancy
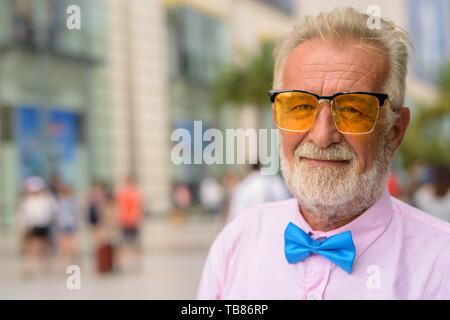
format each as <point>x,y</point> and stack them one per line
<point>291,141</point>
<point>289,154</point>
<point>364,147</point>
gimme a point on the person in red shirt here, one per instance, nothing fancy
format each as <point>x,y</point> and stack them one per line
<point>130,213</point>
<point>394,186</point>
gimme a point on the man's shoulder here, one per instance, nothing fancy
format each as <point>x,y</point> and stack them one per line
<point>425,243</point>
<point>419,219</point>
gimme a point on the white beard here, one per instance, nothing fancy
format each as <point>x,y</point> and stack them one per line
<point>332,194</point>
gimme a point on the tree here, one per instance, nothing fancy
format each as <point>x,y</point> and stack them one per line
<point>428,135</point>
<point>246,83</point>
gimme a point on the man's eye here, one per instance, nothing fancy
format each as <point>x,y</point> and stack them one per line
<point>302,107</point>
<point>350,110</point>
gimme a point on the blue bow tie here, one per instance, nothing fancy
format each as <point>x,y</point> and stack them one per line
<point>338,248</point>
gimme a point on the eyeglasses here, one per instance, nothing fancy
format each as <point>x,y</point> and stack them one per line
<point>352,112</point>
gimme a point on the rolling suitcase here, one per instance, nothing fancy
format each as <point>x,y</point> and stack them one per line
<point>105,258</point>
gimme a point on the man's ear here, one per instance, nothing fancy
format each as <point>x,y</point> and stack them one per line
<point>399,128</point>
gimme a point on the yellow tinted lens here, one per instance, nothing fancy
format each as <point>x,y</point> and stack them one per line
<point>295,110</point>
<point>355,113</point>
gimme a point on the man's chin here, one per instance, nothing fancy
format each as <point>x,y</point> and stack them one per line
<point>329,185</point>
<point>325,195</point>
<point>330,197</point>
<point>325,189</point>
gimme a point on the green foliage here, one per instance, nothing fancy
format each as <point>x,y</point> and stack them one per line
<point>428,135</point>
<point>248,82</point>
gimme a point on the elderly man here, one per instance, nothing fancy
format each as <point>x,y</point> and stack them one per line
<point>338,105</point>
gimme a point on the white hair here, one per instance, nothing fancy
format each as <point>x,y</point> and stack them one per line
<point>346,24</point>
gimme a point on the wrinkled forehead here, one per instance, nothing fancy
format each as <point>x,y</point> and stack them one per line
<point>325,67</point>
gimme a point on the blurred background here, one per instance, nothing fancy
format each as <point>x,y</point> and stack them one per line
<point>86,117</point>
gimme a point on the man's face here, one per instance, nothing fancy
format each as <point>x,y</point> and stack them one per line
<point>320,67</point>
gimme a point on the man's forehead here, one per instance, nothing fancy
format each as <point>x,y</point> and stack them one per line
<point>350,64</point>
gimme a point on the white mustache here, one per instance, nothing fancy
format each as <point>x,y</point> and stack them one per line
<point>335,152</point>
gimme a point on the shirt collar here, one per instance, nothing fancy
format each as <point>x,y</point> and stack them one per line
<point>365,229</point>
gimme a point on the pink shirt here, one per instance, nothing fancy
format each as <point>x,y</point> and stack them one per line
<point>401,253</point>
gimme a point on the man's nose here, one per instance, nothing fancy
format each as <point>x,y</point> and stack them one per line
<point>323,132</point>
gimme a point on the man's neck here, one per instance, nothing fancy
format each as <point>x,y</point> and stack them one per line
<point>319,224</point>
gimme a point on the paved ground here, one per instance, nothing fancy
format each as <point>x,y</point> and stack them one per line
<point>172,263</point>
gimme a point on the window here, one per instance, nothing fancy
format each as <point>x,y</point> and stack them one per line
<point>23,29</point>
<point>5,123</point>
<point>287,6</point>
<point>430,32</point>
<point>42,24</point>
<point>198,45</point>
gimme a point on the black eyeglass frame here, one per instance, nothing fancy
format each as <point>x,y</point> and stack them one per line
<point>381,97</point>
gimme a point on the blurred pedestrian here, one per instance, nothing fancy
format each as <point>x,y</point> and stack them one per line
<point>110,232</point>
<point>95,201</point>
<point>434,197</point>
<point>182,198</point>
<point>394,185</point>
<point>67,222</point>
<point>255,189</point>
<point>419,173</point>
<point>109,239</point>
<point>36,211</point>
<point>54,183</point>
<point>130,212</point>
<point>212,195</point>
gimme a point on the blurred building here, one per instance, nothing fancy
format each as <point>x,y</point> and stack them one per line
<point>138,86</point>
<point>204,36</point>
<point>54,116</point>
<point>164,59</point>
<point>101,102</point>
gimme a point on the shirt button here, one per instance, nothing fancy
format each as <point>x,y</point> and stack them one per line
<point>311,296</point>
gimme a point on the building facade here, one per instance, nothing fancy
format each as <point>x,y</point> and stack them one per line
<point>137,73</point>
<point>52,105</point>
<point>101,102</point>
<point>204,37</point>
